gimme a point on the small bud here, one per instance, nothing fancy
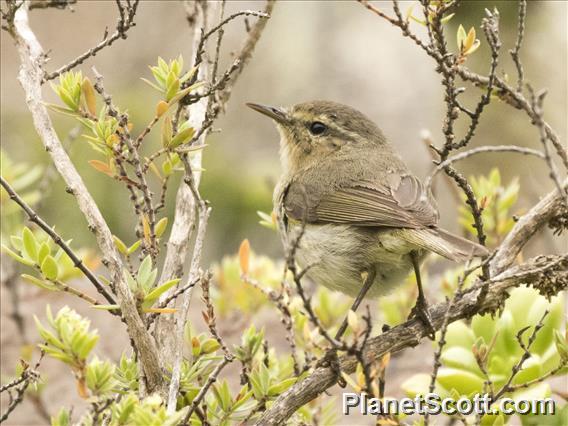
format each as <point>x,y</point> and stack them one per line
<point>161,108</point>
<point>161,226</point>
<point>89,95</point>
<point>146,229</point>
<point>353,321</point>
<point>244,257</point>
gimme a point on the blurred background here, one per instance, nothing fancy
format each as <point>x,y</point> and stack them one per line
<point>310,50</point>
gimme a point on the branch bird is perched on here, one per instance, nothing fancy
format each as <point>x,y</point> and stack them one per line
<point>364,213</point>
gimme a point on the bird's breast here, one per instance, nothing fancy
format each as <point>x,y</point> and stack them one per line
<point>337,255</point>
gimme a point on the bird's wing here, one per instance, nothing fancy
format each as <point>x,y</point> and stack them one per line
<point>401,202</point>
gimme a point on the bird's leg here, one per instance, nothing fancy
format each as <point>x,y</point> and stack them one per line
<point>371,274</point>
<point>330,358</point>
<point>420,310</point>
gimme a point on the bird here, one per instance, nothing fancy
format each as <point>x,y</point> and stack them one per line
<point>366,222</point>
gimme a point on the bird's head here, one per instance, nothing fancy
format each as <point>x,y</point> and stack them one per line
<point>318,130</point>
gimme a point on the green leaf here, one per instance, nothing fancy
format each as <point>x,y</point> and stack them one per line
<point>167,167</point>
<point>151,84</point>
<point>26,179</point>
<point>210,346</point>
<point>49,268</point>
<point>44,250</point>
<point>223,395</point>
<point>62,418</point>
<point>458,357</point>
<point>157,292</point>
<point>182,137</point>
<point>134,247</point>
<point>173,89</point>
<point>161,226</point>
<point>120,245</point>
<point>277,389</point>
<point>30,244</point>
<point>17,242</point>
<point>188,75</point>
<point>561,345</point>
<point>67,98</point>
<point>40,283</point>
<point>106,307</point>
<point>462,381</point>
<point>417,384</point>
<point>461,36</point>
<point>17,257</point>
<point>182,93</point>
<point>85,349</point>
<point>144,269</point>
<point>532,369</point>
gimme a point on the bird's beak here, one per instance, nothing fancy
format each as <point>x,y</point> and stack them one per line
<point>277,114</point>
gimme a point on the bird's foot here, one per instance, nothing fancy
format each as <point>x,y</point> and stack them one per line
<point>331,360</point>
<point>420,311</point>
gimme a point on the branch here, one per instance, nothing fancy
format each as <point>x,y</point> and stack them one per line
<point>125,22</point>
<point>245,54</point>
<point>539,215</point>
<point>201,113</point>
<point>515,52</point>
<point>30,77</point>
<point>536,102</point>
<point>411,332</point>
<point>78,263</point>
<point>547,274</point>
<point>27,377</point>
<point>203,391</point>
<point>194,273</point>
<point>516,99</point>
<point>482,149</point>
<point>184,216</point>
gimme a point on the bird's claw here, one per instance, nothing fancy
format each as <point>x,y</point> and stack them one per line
<point>420,311</point>
<point>331,360</point>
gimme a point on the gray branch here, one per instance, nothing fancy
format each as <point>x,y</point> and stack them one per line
<point>30,77</point>
<point>469,304</point>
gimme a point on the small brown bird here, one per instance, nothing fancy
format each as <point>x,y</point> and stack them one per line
<point>362,211</point>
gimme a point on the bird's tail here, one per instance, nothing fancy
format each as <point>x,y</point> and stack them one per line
<point>445,243</point>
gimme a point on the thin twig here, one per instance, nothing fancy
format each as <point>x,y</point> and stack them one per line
<point>78,263</point>
<point>125,22</point>
<point>411,332</point>
<point>442,340</point>
<point>516,99</point>
<point>524,357</point>
<point>537,102</point>
<point>27,377</point>
<point>30,76</point>
<point>210,317</point>
<point>205,388</point>
<point>124,135</point>
<point>515,51</point>
<point>482,149</point>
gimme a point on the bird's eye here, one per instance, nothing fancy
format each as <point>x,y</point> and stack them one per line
<point>317,128</point>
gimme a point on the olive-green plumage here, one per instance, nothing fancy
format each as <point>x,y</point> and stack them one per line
<point>363,209</point>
